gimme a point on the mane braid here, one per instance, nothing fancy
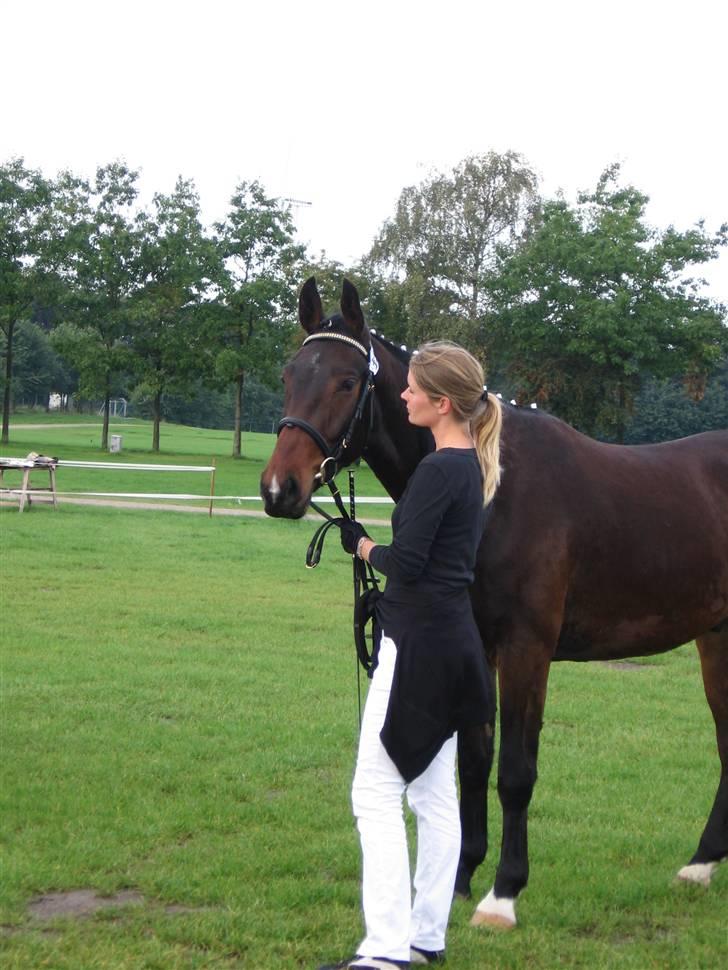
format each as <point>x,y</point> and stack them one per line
<point>403,356</point>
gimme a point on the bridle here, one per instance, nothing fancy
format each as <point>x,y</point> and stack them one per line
<point>364,577</point>
<point>334,454</point>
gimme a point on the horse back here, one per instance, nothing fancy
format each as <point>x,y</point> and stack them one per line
<point>607,551</point>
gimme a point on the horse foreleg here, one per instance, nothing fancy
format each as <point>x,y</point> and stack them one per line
<point>475,759</point>
<point>522,678</point>
<point>713,845</point>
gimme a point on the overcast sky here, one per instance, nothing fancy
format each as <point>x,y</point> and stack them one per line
<point>342,104</point>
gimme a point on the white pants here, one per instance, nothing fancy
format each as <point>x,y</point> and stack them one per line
<point>393,922</point>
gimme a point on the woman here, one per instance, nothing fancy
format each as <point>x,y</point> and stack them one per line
<point>431,676</point>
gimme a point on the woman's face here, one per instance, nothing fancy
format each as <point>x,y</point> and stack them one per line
<point>420,408</point>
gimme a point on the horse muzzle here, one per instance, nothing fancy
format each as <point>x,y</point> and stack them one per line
<point>285,499</point>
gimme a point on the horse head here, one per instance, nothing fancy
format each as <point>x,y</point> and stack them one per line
<point>326,384</point>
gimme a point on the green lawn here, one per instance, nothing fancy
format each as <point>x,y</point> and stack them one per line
<point>179,718</point>
<point>77,437</point>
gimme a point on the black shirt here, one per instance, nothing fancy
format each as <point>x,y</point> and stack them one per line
<point>437,526</point>
<point>441,681</point>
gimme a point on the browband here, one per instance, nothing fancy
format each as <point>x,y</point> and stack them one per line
<point>338,336</point>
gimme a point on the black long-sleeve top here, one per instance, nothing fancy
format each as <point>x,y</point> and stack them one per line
<point>441,681</point>
<point>437,526</point>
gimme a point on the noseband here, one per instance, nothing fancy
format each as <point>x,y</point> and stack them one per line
<point>333,455</point>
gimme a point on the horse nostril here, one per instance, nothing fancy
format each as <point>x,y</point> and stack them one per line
<point>291,489</point>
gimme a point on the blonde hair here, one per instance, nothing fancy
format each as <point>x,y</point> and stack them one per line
<point>445,369</point>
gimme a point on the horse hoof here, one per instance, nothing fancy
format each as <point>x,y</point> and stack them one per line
<point>491,919</point>
<point>498,913</point>
<point>700,873</point>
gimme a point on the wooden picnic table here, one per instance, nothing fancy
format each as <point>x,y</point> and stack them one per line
<point>29,465</point>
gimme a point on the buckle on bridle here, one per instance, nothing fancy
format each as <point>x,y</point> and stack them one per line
<point>321,473</point>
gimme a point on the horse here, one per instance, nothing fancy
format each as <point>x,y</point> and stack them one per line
<point>591,551</point>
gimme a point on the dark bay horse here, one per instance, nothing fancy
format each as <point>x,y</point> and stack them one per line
<point>591,552</point>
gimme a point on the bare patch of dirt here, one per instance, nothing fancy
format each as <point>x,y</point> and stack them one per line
<point>79,903</point>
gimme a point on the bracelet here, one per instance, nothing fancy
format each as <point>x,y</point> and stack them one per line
<point>359,545</point>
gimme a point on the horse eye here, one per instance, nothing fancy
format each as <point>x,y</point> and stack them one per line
<point>348,385</point>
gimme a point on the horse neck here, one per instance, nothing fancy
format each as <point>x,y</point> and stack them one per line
<point>395,447</point>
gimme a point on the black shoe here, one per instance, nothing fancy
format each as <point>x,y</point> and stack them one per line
<point>420,957</point>
<point>358,962</point>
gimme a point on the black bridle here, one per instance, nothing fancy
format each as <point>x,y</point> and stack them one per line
<point>334,454</point>
<point>364,577</point>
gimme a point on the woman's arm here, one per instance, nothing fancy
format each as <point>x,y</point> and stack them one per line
<point>427,499</point>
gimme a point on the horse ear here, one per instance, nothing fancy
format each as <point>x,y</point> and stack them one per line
<point>351,308</point>
<point>310,311</point>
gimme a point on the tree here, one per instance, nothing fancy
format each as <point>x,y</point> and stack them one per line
<point>25,258</point>
<point>593,301</point>
<point>180,268</point>
<point>103,276</point>
<point>441,243</point>
<point>663,411</point>
<point>252,323</point>
<point>37,368</point>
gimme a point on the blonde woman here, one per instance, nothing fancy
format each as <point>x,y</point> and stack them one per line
<point>431,676</point>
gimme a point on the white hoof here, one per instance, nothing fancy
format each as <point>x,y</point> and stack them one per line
<point>700,872</point>
<point>495,912</point>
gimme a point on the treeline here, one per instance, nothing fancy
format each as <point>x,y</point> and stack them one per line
<point>580,307</point>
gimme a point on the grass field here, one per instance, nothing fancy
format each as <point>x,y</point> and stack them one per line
<point>179,719</point>
<point>77,437</point>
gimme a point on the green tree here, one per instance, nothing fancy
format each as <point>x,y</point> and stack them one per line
<point>252,326</point>
<point>181,269</point>
<point>663,411</point>
<point>440,246</point>
<point>594,300</point>
<point>38,370</point>
<point>26,263</point>
<point>103,276</point>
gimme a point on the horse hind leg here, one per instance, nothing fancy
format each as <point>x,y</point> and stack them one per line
<point>713,845</point>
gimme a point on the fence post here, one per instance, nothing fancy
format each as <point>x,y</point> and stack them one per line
<point>212,484</point>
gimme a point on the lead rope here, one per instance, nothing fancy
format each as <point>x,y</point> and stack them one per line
<point>352,514</point>
<point>363,576</point>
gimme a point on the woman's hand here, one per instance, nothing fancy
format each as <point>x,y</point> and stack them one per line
<point>351,533</point>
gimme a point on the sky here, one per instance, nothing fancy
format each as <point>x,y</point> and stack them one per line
<point>342,104</point>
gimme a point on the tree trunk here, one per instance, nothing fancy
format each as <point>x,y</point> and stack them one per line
<point>237,431</point>
<point>8,376</point>
<point>157,417</point>
<point>105,426</point>
<point>622,415</point>
<point>474,297</point>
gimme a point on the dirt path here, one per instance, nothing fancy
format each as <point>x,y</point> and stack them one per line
<point>170,507</point>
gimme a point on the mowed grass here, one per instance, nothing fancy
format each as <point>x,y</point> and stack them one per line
<point>179,717</point>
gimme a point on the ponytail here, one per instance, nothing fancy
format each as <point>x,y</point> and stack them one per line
<point>485,427</point>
